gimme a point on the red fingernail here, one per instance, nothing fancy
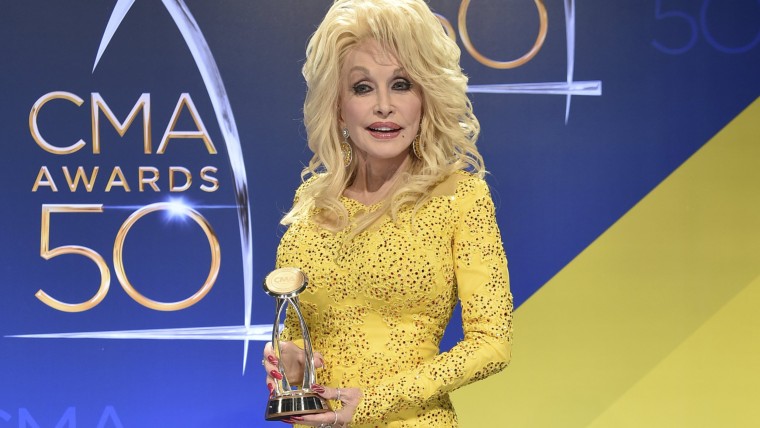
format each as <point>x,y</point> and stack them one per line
<point>272,359</point>
<point>271,387</point>
<point>319,388</point>
<point>296,418</point>
<point>275,374</point>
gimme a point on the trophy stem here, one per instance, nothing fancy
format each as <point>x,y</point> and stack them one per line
<point>283,385</point>
<point>309,373</point>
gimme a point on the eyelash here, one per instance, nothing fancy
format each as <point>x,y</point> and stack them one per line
<point>363,88</point>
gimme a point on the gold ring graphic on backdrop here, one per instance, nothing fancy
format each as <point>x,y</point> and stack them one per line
<point>543,26</point>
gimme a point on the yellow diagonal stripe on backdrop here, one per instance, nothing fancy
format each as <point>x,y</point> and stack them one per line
<point>711,380</point>
<point>634,295</point>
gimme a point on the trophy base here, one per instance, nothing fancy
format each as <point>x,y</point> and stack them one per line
<point>302,403</point>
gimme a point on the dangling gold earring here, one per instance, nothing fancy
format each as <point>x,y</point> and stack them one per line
<point>417,147</point>
<point>345,148</point>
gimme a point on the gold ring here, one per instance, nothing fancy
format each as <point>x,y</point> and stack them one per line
<point>543,26</point>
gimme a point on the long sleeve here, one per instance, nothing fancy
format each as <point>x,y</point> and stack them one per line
<point>483,289</point>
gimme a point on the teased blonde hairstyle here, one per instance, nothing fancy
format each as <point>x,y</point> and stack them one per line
<point>409,31</point>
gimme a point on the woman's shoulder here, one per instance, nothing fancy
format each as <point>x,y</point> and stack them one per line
<point>460,183</point>
<point>304,186</point>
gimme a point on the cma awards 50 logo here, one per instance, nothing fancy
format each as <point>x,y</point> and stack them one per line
<point>148,179</point>
<point>178,179</point>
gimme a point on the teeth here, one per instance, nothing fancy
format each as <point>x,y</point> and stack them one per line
<point>382,129</point>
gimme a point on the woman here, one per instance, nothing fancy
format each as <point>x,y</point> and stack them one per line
<point>392,224</point>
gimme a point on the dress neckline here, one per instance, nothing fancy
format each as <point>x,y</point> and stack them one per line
<point>362,205</point>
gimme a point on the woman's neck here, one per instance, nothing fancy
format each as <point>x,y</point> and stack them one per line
<point>374,180</point>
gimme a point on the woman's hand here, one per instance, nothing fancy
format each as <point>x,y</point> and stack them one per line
<point>349,399</point>
<point>293,359</point>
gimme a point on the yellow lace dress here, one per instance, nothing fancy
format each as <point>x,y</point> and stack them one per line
<point>377,305</point>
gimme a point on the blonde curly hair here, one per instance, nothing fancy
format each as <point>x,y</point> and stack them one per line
<point>411,32</point>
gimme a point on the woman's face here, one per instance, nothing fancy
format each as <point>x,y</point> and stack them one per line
<point>379,104</point>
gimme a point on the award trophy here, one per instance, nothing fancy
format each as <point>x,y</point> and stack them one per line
<point>284,285</point>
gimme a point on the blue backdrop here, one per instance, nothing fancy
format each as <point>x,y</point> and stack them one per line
<point>673,73</point>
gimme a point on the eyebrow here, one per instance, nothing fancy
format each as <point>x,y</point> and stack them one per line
<point>358,68</point>
<point>366,71</point>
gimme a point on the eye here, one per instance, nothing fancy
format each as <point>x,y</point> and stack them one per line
<point>361,88</point>
<point>401,85</point>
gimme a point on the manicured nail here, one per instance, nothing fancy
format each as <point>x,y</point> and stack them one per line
<point>318,388</point>
<point>296,418</point>
<point>275,374</point>
<point>272,359</point>
<point>271,388</point>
